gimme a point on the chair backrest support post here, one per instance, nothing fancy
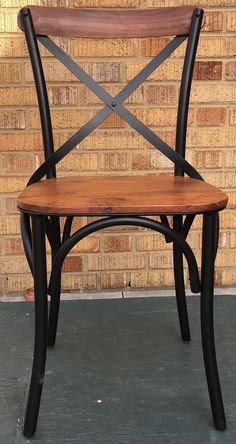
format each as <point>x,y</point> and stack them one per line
<point>40,84</point>
<point>186,81</point>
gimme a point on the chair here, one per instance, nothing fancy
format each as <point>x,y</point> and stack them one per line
<point>46,204</point>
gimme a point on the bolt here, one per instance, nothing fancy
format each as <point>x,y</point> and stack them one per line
<point>25,12</point>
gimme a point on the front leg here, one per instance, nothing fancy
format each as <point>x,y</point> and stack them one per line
<point>41,323</point>
<point>207,323</point>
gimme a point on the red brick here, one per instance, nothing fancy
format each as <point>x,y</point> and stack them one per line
<point>157,278</point>
<point>231,21</point>
<point>107,72</point>
<point>230,71</point>
<point>232,117</point>
<point>117,243</point>
<point>208,159</point>
<point>232,199</point>
<point>207,71</point>
<point>79,162</point>
<point>90,244</point>
<point>10,72</point>
<point>211,116</point>
<point>73,263</point>
<point>104,48</point>
<point>161,94</point>
<point>114,161</point>
<point>113,121</point>
<point>116,261</point>
<point>13,246</point>
<point>12,119</point>
<point>9,225</point>
<point>150,161</point>
<point>213,21</point>
<point>29,294</point>
<point>16,163</point>
<point>12,184</point>
<point>17,96</point>
<point>114,280</point>
<point>21,141</point>
<point>13,47</point>
<point>152,46</point>
<point>79,282</point>
<point>63,95</point>
<point>11,205</point>
<point>8,21</point>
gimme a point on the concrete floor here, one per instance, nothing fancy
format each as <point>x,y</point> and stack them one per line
<point>119,374</point>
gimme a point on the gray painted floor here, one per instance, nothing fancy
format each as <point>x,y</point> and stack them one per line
<point>119,374</point>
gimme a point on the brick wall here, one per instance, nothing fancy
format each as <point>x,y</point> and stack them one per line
<point>131,257</point>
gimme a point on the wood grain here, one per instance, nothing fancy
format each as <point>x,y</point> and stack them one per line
<point>106,195</point>
<point>113,23</point>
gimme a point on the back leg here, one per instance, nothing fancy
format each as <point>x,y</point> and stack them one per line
<point>179,286</point>
<point>53,315</point>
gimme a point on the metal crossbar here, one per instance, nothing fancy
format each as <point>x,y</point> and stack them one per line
<point>113,104</point>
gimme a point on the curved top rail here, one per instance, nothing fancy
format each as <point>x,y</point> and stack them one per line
<point>112,23</point>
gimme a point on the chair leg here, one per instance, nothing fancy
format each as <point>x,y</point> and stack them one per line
<point>180,287</point>
<point>207,322</point>
<point>55,299</point>
<point>41,322</point>
<point>180,294</point>
<point>53,315</point>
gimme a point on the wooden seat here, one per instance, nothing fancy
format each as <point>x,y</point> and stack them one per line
<point>121,195</point>
<point>49,204</point>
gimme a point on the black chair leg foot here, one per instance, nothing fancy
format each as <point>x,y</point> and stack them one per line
<point>220,425</point>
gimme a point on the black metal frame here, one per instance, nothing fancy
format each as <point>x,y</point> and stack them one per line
<point>35,227</point>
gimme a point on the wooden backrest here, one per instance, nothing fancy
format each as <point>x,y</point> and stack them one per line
<point>110,23</point>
